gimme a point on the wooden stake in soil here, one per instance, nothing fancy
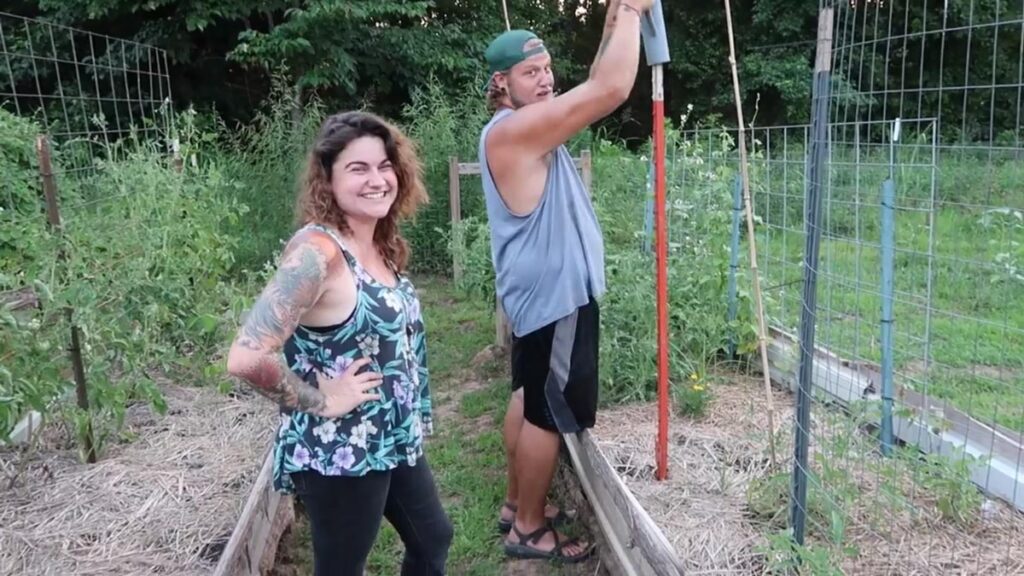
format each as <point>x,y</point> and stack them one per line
<point>75,350</point>
<point>179,162</point>
<point>455,208</point>
<point>761,328</point>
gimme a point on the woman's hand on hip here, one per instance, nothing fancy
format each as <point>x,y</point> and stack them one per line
<point>344,393</point>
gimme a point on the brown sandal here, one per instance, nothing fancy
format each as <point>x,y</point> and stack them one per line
<point>524,551</point>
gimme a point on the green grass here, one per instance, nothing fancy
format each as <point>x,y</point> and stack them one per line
<point>468,474</point>
<point>969,328</point>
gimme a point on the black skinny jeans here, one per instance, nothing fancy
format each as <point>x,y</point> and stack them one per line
<point>345,515</point>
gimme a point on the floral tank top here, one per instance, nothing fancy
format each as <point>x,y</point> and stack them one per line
<point>387,327</point>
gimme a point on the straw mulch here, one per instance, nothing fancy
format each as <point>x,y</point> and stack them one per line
<point>718,463</point>
<point>164,502</point>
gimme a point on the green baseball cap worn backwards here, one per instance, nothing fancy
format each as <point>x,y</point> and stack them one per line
<point>507,50</point>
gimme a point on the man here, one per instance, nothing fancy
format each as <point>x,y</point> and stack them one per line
<point>548,256</point>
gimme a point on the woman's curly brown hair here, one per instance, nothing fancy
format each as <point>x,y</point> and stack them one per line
<point>316,203</point>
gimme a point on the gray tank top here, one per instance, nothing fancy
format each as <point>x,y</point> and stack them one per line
<point>551,261</point>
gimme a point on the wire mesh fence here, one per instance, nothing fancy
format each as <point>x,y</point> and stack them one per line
<point>958,221</point>
<point>86,91</point>
<point>71,100</point>
<point>908,267</point>
<point>918,232</point>
<point>79,99</point>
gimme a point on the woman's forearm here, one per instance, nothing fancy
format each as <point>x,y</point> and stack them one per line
<point>271,378</point>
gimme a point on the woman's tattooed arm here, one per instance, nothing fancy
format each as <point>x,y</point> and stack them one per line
<point>255,353</point>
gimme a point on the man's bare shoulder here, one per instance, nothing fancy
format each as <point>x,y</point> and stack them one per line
<point>509,143</point>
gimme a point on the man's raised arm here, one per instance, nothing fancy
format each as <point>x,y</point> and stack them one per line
<point>535,130</point>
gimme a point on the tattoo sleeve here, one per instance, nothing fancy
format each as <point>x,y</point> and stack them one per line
<point>294,289</point>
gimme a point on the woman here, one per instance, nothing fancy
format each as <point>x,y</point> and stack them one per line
<point>353,387</point>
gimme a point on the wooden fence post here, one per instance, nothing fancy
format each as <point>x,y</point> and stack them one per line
<point>178,161</point>
<point>75,350</point>
<point>586,168</point>
<point>503,332</point>
<point>455,207</point>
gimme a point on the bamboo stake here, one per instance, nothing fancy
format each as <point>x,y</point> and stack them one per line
<point>744,174</point>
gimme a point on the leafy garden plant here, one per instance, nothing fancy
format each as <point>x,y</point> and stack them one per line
<point>144,262</point>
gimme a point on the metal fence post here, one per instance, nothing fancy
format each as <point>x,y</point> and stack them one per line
<point>816,178</point>
<point>888,263</point>
<point>734,257</point>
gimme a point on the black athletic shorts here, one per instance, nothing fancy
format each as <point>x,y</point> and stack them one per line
<point>556,366</point>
